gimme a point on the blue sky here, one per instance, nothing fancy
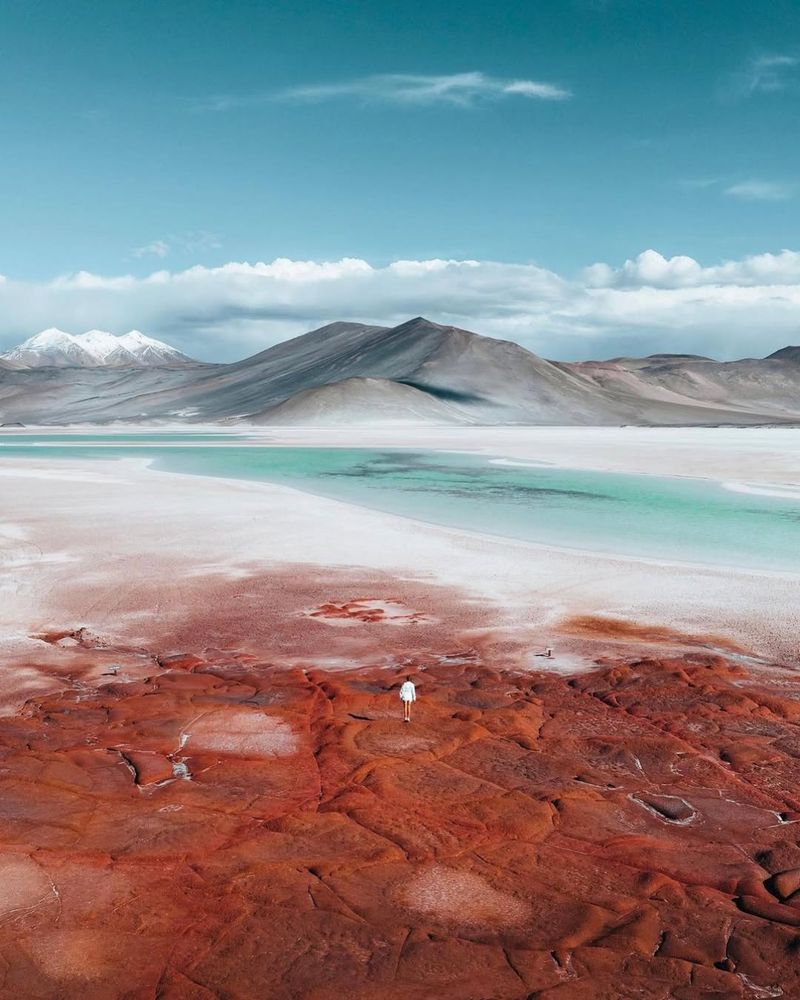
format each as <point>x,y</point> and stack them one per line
<point>148,136</point>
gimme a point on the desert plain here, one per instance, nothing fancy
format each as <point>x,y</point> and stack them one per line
<point>207,790</point>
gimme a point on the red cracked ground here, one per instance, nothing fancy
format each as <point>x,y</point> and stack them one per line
<point>237,818</point>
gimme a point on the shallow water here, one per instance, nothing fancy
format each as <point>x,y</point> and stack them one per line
<point>689,520</point>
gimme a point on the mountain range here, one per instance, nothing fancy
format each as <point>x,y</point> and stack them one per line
<point>419,372</point>
<point>93,349</point>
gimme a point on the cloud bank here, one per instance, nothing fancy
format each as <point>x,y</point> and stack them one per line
<point>650,303</point>
<point>463,90</point>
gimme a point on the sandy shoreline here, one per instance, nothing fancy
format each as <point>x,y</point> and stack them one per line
<point>750,455</point>
<point>115,547</point>
<point>759,455</point>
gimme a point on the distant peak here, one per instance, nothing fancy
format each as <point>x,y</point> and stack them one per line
<point>421,323</point>
<point>51,335</point>
<point>790,353</point>
<point>137,337</point>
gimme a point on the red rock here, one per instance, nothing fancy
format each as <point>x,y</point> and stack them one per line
<point>180,661</point>
<point>770,910</point>
<point>258,822</point>
<point>149,768</point>
<point>787,883</point>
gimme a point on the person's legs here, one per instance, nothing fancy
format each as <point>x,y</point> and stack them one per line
<point>406,711</point>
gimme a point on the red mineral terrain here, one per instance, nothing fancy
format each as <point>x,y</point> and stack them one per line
<point>235,810</point>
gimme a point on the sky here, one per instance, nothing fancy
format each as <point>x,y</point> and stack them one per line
<point>586,177</point>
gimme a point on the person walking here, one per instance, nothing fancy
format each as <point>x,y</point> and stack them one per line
<point>408,693</point>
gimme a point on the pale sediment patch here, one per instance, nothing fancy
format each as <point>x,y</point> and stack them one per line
<point>37,558</point>
<point>74,955</point>
<point>58,475</point>
<point>241,731</point>
<point>466,898</point>
<point>12,532</point>
<point>561,662</point>
<point>23,885</point>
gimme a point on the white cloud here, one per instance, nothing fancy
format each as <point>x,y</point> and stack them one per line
<point>764,74</point>
<point>157,248</point>
<point>755,190</point>
<point>650,303</point>
<point>184,243</point>
<point>461,89</point>
<point>407,89</point>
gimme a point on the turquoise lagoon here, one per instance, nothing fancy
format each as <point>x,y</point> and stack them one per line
<point>665,518</point>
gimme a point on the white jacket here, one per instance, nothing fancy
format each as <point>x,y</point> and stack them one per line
<point>408,692</point>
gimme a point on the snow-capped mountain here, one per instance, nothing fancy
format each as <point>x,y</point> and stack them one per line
<point>93,349</point>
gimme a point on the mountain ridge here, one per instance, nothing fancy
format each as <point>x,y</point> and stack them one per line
<point>417,371</point>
